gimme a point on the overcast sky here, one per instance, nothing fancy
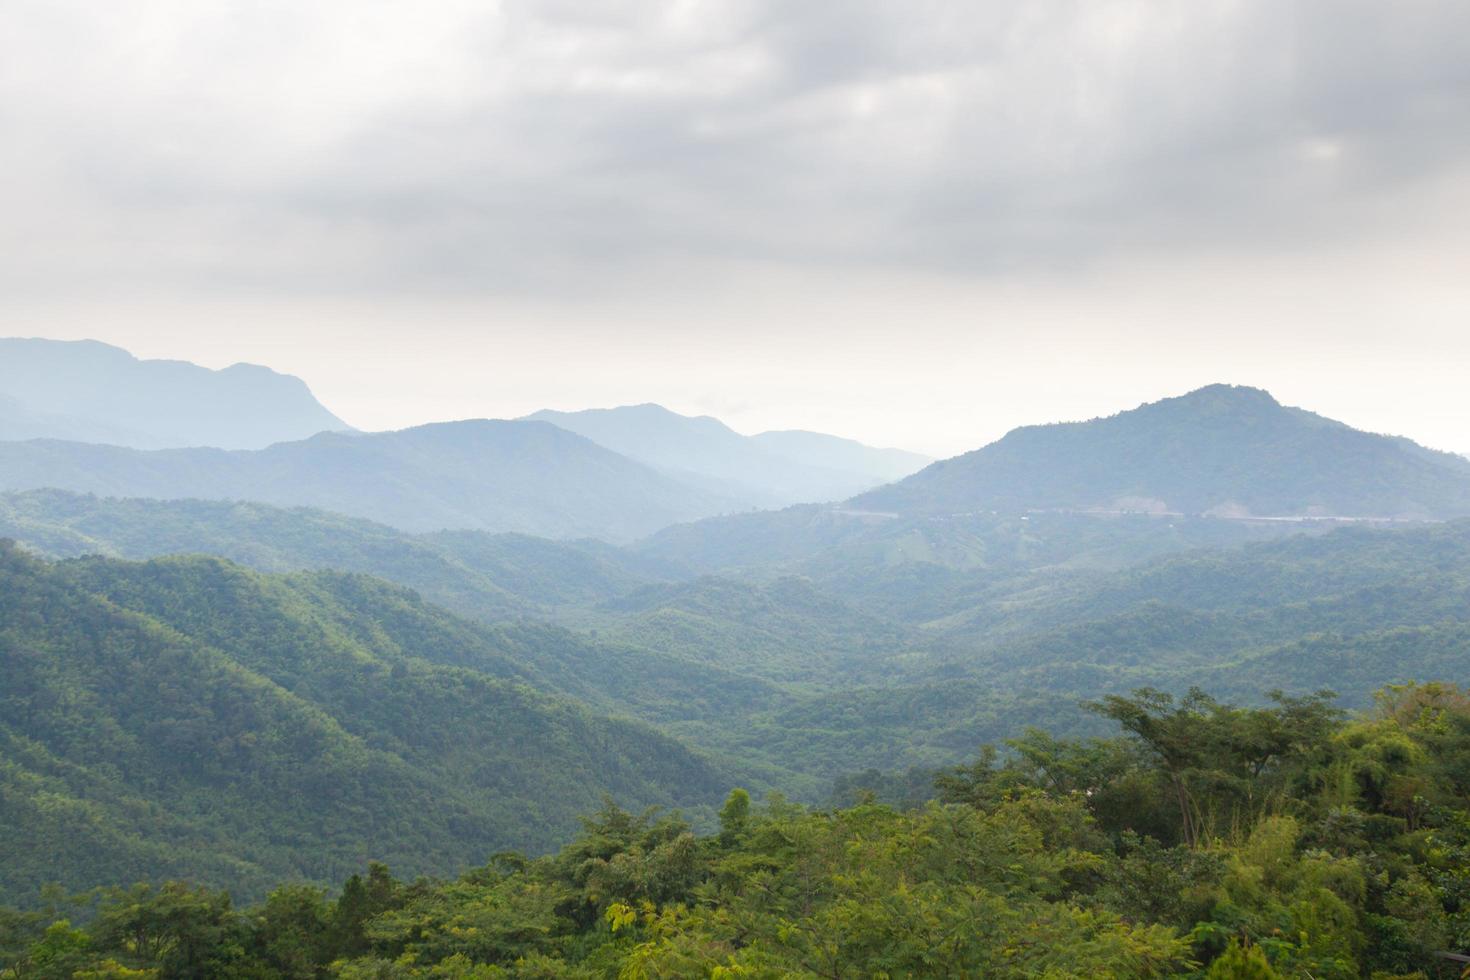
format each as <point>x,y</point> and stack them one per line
<point>915,223</point>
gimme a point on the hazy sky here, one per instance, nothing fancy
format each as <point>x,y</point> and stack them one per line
<point>915,223</point>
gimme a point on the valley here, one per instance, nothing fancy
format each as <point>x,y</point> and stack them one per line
<point>734,490</point>
<point>213,674</point>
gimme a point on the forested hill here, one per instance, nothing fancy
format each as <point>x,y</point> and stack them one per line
<point>1231,450</point>
<point>530,477</point>
<point>186,717</point>
<point>93,392</point>
<point>485,576</point>
<point>891,643</point>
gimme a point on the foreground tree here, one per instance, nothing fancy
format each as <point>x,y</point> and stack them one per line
<point>1306,846</point>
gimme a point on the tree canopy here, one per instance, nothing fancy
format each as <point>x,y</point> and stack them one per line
<point>1308,844</point>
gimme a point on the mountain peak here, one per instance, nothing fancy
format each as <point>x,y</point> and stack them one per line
<point>1226,397</point>
<point>1219,449</point>
<point>1230,393</point>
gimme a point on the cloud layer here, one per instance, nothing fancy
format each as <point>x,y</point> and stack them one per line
<point>525,145</point>
<point>639,154</point>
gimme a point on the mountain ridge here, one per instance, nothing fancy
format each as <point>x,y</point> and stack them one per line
<point>483,474</point>
<point>483,576</point>
<point>90,391</point>
<point>764,470</point>
<point>1220,450</point>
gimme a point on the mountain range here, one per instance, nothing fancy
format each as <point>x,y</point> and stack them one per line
<point>771,469</point>
<point>530,477</point>
<point>489,577</point>
<point>860,655</point>
<point>90,417</point>
<point>88,391</point>
<point>243,665</point>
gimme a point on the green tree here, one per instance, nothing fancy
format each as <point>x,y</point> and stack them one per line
<point>185,932</point>
<point>1241,962</point>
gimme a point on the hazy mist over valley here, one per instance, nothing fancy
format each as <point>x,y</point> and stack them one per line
<point>728,489</point>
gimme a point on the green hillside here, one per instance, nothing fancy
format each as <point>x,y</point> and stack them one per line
<point>1346,566</point>
<point>784,631</point>
<point>872,553</point>
<point>1195,838</point>
<point>485,576</point>
<point>897,643</point>
<point>193,718</point>
<point>1351,610</point>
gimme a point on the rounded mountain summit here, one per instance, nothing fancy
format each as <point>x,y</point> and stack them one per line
<point>1222,450</point>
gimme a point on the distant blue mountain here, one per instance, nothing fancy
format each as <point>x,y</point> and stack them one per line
<point>768,470</point>
<point>1226,450</point>
<point>530,477</point>
<point>92,392</point>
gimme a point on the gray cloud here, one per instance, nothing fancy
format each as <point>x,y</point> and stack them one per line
<point>348,146</point>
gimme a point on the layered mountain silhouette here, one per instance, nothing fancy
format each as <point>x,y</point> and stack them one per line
<point>484,576</point>
<point>770,469</point>
<point>92,392</point>
<point>843,455</point>
<point>530,477</point>
<point>1221,450</point>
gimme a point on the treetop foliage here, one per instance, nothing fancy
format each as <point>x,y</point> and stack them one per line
<point>1206,840</point>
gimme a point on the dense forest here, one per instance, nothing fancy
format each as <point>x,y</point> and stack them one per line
<point>295,730</point>
<point>734,490</point>
<point>1201,839</point>
<point>189,717</point>
<point>863,644</point>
